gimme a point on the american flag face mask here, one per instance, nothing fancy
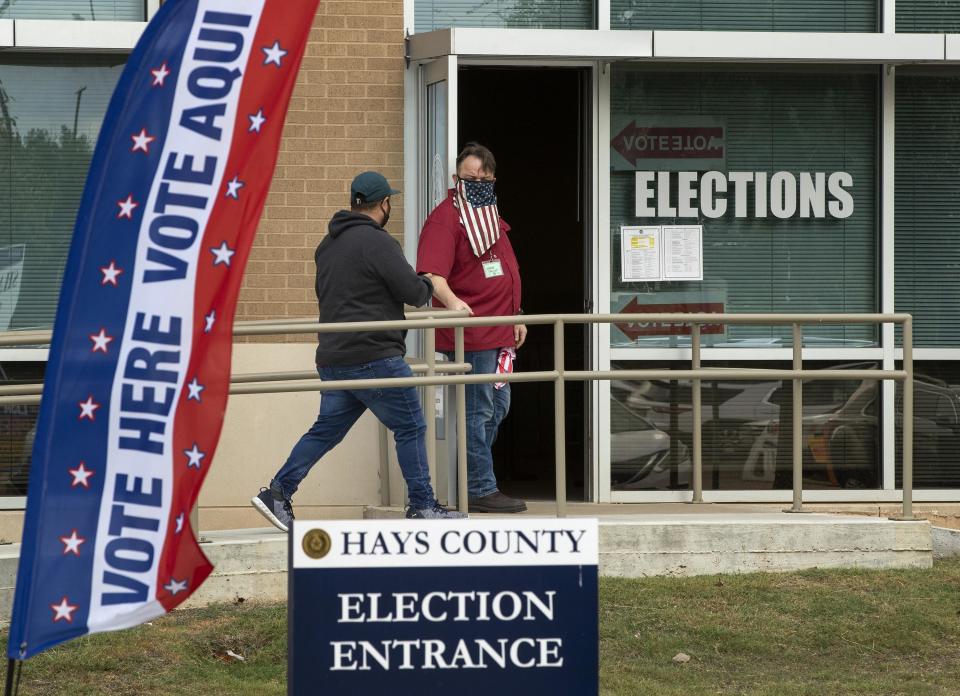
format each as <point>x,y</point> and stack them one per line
<point>477,204</point>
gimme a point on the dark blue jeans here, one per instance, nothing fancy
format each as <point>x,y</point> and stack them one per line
<point>486,409</point>
<point>397,408</point>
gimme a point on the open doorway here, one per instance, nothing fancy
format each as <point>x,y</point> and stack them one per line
<point>536,121</point>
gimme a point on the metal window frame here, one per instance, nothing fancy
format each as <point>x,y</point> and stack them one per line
<point>881,353</point>
<point>67,35</point>
<point>690,46</point>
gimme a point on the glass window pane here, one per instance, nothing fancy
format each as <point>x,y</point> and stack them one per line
<point>936,425</point>
<point>437,143</point>
<point>801,130</point>
<point>51,108</point>
<point>17,428</point>
<point>130,10</point>
<point>927,258</point>
<point>747,432</point>
<point>928,16</point>
<point>746,15</point>
<point>518,14</point>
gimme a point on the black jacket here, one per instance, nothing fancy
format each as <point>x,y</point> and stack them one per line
<point>362,275</point>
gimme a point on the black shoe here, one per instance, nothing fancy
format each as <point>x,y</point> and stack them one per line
<point>276,508</point>
<point>496,502</point>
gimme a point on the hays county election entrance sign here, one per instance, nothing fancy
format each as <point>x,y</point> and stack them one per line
<point>497,606</point>
<point>139,368</point>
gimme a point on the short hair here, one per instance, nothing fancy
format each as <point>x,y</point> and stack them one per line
<point>472,149</point>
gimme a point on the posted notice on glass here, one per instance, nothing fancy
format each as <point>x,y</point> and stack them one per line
<point>661,252</point>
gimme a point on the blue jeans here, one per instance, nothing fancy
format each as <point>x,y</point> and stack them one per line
<point>397,408</point>
<point>486,409</point>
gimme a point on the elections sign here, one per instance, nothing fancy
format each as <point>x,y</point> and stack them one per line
<point>468,607</point>
<point>139,367</point>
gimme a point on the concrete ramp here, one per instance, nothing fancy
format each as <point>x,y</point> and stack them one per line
<point>251,564</point>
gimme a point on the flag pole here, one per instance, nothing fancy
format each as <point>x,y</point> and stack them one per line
<point>11,665</point>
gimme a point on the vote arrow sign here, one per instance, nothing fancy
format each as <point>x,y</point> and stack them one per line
<point>655,328</point>
<point>635,143</point>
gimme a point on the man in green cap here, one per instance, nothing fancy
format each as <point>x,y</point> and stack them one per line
<point>362,275</point>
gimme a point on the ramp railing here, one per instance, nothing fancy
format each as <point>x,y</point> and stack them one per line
<point>457,373</point>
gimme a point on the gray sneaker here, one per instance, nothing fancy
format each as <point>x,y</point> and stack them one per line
<point>436,512</point>
<point>275,507</point>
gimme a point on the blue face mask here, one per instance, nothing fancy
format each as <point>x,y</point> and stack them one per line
<point>478,193</point>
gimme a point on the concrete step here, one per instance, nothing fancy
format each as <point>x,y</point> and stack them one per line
<point>251,564</point>
<point>765,542</point>
<point>721,541</point>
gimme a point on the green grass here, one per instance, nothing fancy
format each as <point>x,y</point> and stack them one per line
<point>817,632</point>
<point>182,653</point>
<point>882,633</point>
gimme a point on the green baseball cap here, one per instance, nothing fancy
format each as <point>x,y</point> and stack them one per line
<point>370,187</point>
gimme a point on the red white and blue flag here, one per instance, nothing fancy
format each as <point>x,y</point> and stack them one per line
<point>139,370</point>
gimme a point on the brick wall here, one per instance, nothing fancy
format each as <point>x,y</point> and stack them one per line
<point>346,116</point>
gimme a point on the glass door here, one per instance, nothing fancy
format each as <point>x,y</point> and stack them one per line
<point>437,152</point>
<point>438,131</point>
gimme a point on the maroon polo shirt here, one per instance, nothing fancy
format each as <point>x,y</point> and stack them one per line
<point>444,250</point>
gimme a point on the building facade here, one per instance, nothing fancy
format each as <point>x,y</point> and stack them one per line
<point>803,154</point>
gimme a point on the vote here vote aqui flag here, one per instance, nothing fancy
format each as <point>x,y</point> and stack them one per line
<point>139,368</point>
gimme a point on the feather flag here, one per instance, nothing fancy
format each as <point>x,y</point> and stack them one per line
<point>139,367</point>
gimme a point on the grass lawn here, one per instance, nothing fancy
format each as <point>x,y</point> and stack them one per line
<point>882,633</point>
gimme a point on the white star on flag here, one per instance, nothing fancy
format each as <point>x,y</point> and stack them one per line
<point>87,408</point>
<point>256,121</point>
<point>64,610</point>
<point>194,455</point>
<point>110,274</point>
<point>80,476</point>
<point>160,74</point>
<point>195,388</point>
<point>210,319</point>
<point>127,207</point>
<point>100,341</point>
<point>175,587</point>
<point>141,141</point>
<point>222,254</point>
<point>179,523</point>
<point>274,54</point>
<point>71,544</point>
<point>233,188</point>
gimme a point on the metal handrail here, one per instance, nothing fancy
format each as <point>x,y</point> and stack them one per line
<point>436,318</point>
<point>308,376</point>
<point>40,337</point>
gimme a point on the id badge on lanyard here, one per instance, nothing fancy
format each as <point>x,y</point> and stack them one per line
<point>492,268</point>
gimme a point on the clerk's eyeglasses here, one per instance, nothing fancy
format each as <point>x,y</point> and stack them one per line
<point>476,179</point>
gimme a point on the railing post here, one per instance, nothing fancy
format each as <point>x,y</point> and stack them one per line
<point>461,392</point>
<point>560,419</point>
<point>908,419</point>
<point>697,425</point>
<point>797,440</point>
<point>430,405</point>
